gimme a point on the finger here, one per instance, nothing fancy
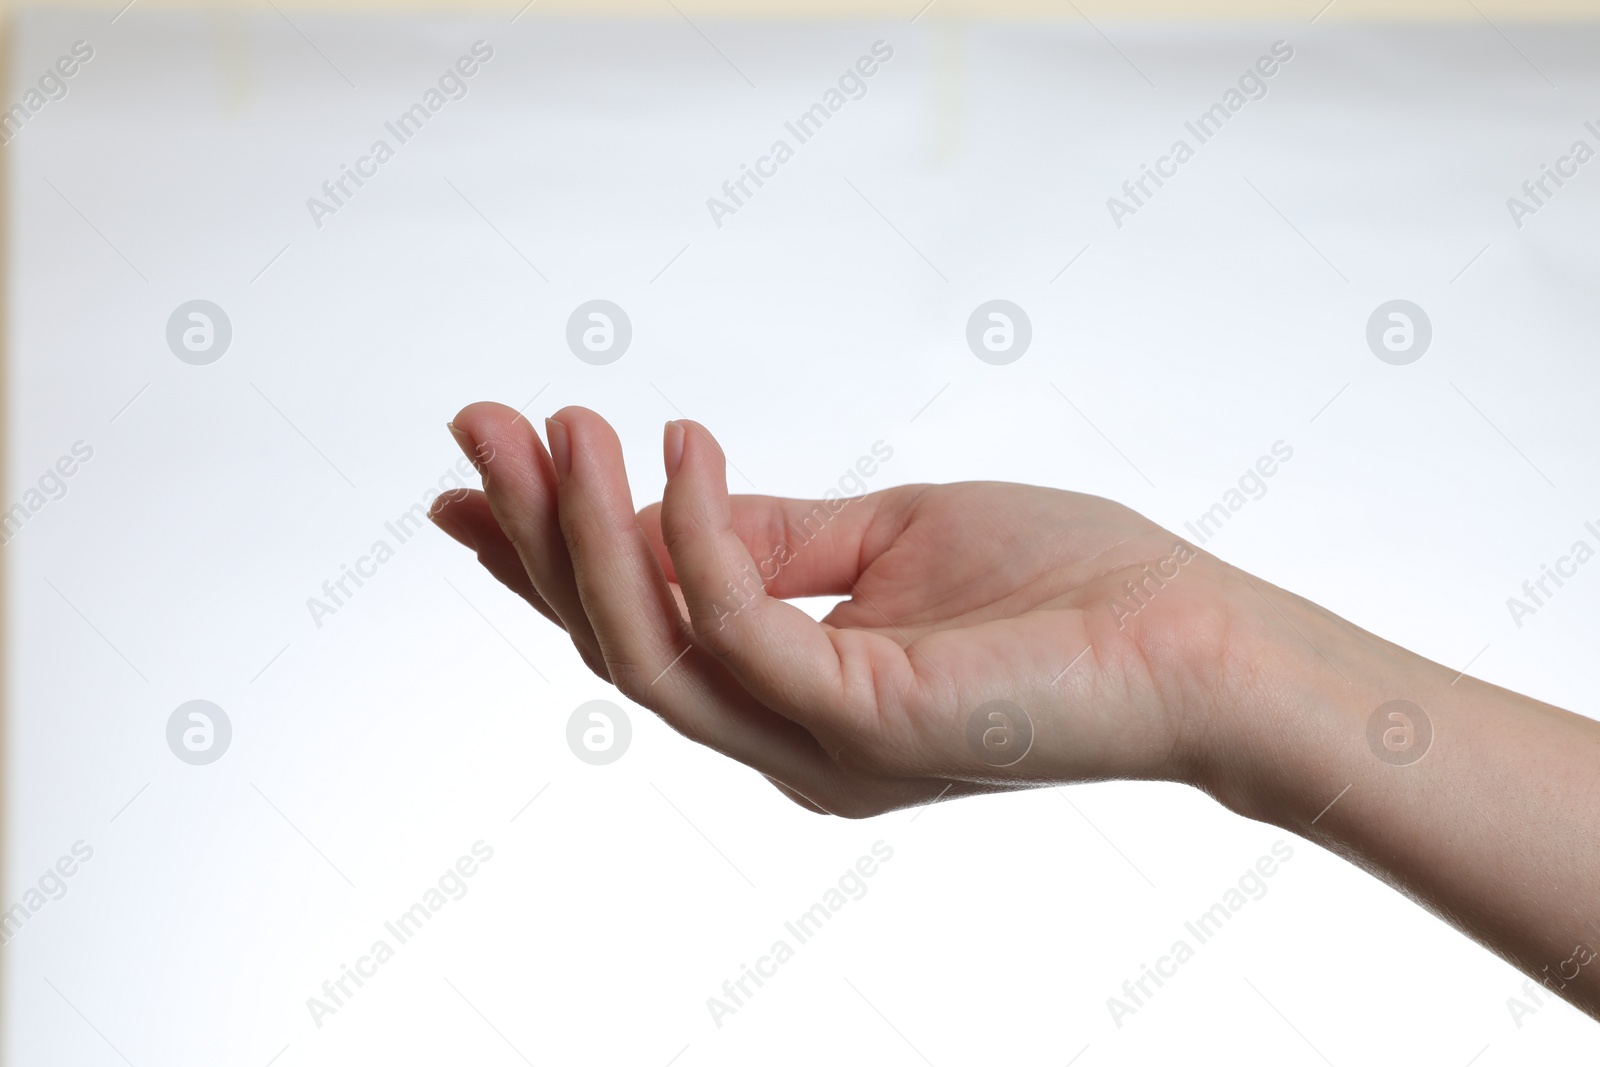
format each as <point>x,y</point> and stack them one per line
<point>520,484</point>
<point>805,547</point>
<point>828,680</point>
<point>464,514</point>
<point>642,635</point>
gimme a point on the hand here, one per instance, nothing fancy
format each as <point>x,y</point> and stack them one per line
<point>1129,653</point>
<point>1101,630</point>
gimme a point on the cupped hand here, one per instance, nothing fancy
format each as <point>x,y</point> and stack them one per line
<point>997,636</point>
<point>994,635</point>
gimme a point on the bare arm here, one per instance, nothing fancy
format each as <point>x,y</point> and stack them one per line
<point>999,636</point>
<point>1480,803</point>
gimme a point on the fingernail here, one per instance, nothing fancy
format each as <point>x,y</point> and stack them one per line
<point>446,522</point>
<point>672,446</point>
<point>560,453</point>
<point>466,443</point>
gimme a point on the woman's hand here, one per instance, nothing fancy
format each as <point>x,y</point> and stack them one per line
<point>995,634</point>
<point>998,636</point>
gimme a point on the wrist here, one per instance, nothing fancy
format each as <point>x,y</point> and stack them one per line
<point>1301,709</point>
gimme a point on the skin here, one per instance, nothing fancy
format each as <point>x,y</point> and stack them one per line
<point>1130,653</point>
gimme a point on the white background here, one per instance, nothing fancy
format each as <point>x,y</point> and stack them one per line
<point>829,313</point>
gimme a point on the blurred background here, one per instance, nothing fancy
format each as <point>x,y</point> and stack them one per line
<point>258,714</point>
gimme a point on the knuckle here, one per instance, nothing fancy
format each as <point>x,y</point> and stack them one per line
<point>715,629</point>
<point>678,528</point>
<point>721,622</point>
<point>594,660</point>
<point>632,677</point>
<point>576,539</point>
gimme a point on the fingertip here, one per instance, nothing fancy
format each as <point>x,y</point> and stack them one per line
<point>672,446</point>
<point>560,443</point>
<point>702,436</point>
<point>585,434</point>
<point>447,521</point>
<point>483,415</point>
<point>702,463</point>
<point>479,429</point>
<point>461,505</point>
<point>578,415</point>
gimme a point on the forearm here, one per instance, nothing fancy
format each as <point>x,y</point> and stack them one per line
<point>1124,651</point>
<point>1491,821</point>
